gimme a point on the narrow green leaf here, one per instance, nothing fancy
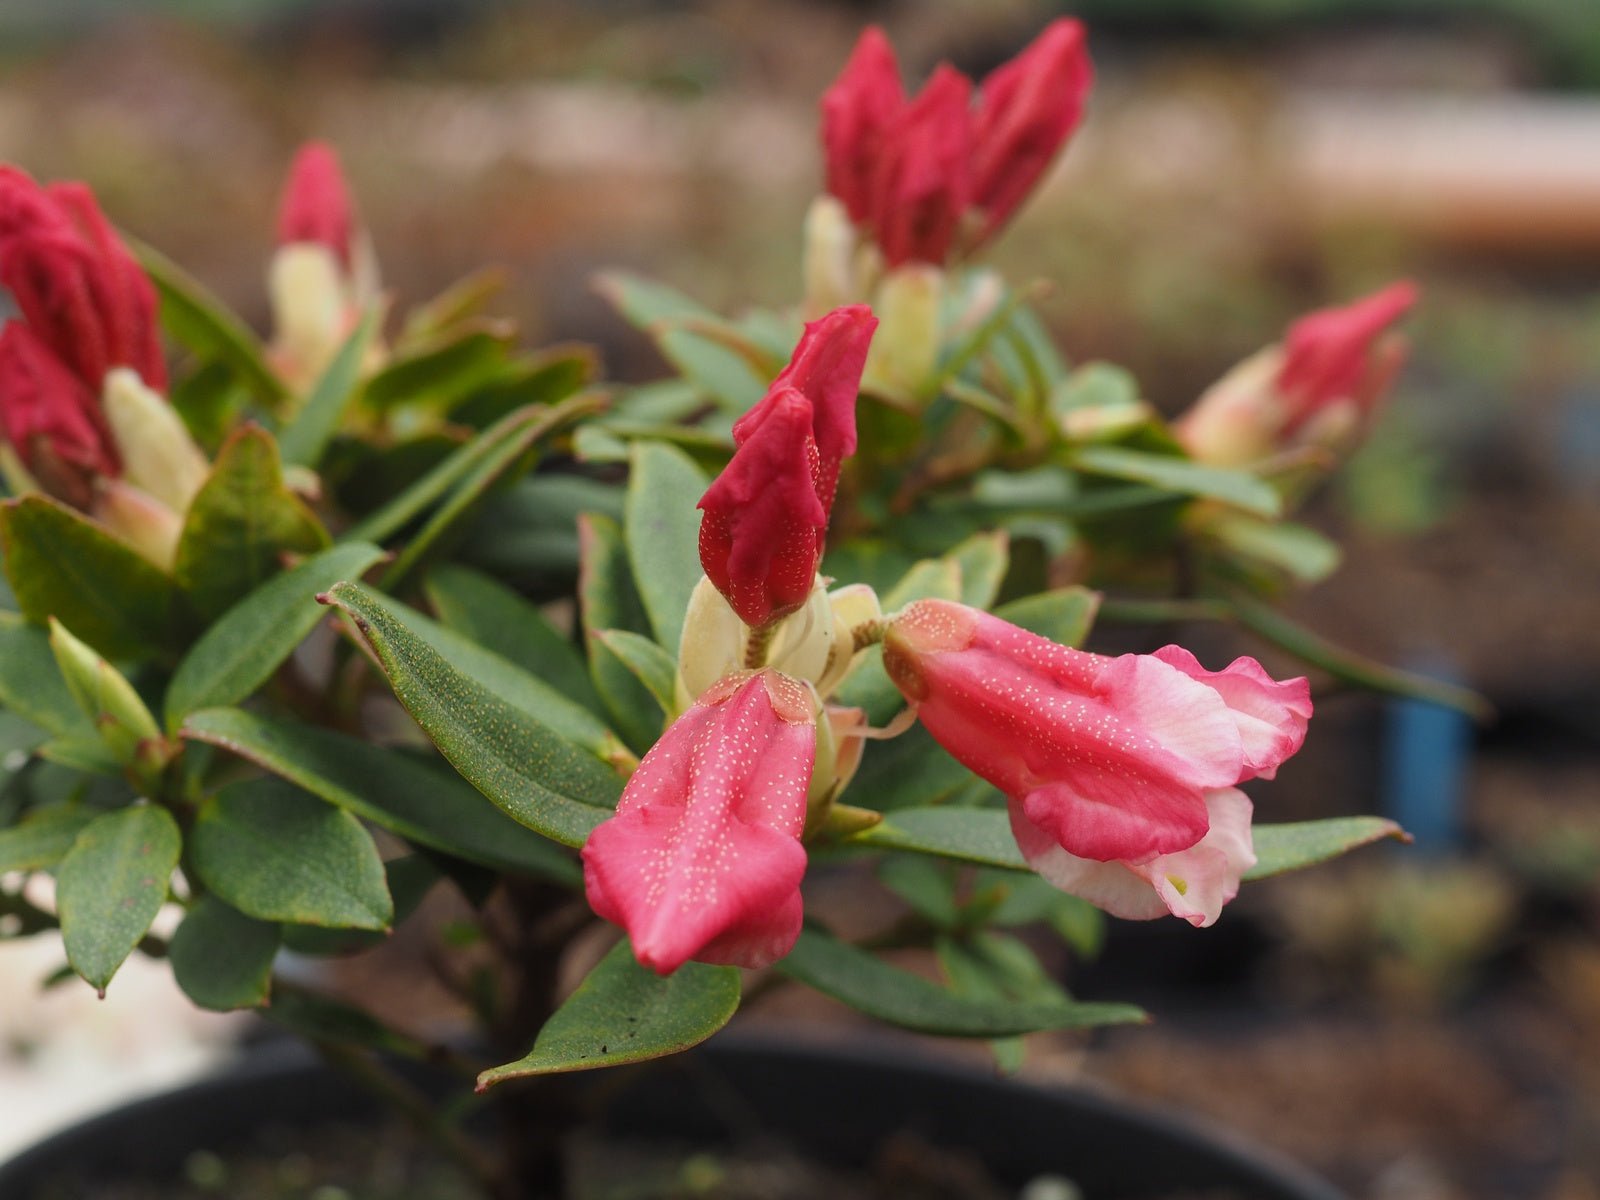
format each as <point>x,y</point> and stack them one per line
<point>491,614</point>
<point>409,878</point>
<point>205,325</point>
<point>982,559</point>
<point>898,997</point>
<point>1281,848</point>
<point>462,300</point>
<point>535,775</point>
<point>501,461</point>
<point>925,884</point>
<point>909,771</point>
<point>43,838</point>
<point>241,523</point>
<point>62,565</point>
<point>625,1013</point>
<point>544,378</point>
<point>1305,555</point>
<point>305,438</point>
<point>277,854</point>
<point>662,530</point>
<point>608,599</point>
<point>244,646</point>
<point>1354,668</point>
<point>1174,474</point>
<point>650,664</point>
<point>111,884</point>
<point>424,803</point>
<point>442,371</point>
<point>975,835</point>
<point>1064,615</point>
<point>31,686</point>
<point>221,958</point>
<point>504,679</point>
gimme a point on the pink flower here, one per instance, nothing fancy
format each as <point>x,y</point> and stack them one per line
<point>1027,109</point>
<point>1109,758</point>
<point>856,110</point>
<point>1320,388</point>
<point>1192,884</point>
<point>923,181</point>
<point>703,859</point>
<point>51,419</point>
<point>766,515</point>
<point>75,282</point>
<point>316,205</point>
<point>1333,354</point>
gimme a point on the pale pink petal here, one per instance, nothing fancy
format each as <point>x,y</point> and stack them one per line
<point>1194,884</point>
<point>1271,716</point>
<point>1106,885</point>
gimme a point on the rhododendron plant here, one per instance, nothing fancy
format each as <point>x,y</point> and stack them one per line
<point>614,669</point>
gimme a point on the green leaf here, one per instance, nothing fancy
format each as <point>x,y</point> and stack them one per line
<point>1064,615</point>
<point>650,664</point>
<point>982,559</point>
<point>111,884</point>
<point>277,854</point>
<point>409,878</point>
<point>1019,899</point>
<point>662,530</point>
<point>221,958</point>
<point>898,997</point>
<point>423,803</point>
<point>1302,553</point>
<point>62,565</point>
<point>538,777</point>
<point>31,686</point>
<point>670,318</point>
<point>491,614</point>
<point>443,371</point>
<point>996,968</point>
<point>118,713</point>
<point>241,523</point>
<point>503,459</point>
<point>43,838</point>
<point>929,887</point>
<point>504,679</point>
<point>909,771</point>
<point>305,438</point>
<point>529,531</point>
<point>625,1013</point>
<point>544,378</point>
<point>204,324</point>
<point>1281,848</point>
<point>461,301</point>
<point>242,649</point>
<point>608,599</point>
<point>975,835</point>
<point>1354,668</point>
<point>1174,474</point>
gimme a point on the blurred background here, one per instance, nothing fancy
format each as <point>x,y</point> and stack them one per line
<point>1420,1023</point>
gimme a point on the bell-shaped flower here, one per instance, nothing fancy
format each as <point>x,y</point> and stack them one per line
<point>1192,884</point>
<point>75,283</point>
<point>1320,387</point>
<point>703,858</point>
<point>861,104</point>
<point>1027,109</point>
<point>1110,758</point>
<point>923,181</point>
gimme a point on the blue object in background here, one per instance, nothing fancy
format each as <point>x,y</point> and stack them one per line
<point>1426,749</point>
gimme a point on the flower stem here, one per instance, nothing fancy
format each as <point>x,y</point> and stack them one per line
<point>755,650</point>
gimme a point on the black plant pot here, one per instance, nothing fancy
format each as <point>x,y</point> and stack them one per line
<point>836,1105</point>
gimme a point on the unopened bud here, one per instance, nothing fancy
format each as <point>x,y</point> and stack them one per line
<point>158,455</point>
<point>109,701</point>
<point>906,350</point>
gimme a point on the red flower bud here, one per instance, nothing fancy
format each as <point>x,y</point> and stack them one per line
<point>1331,355</point>
<point>51,419</point>
<point>923,182</point>
<point>826,368</point>
<point>863,101</point>
<point>316,205</point>
<point>703,860</point>
<point>75,282</point>
<point>1027,108</point>
<point>762,535</point>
